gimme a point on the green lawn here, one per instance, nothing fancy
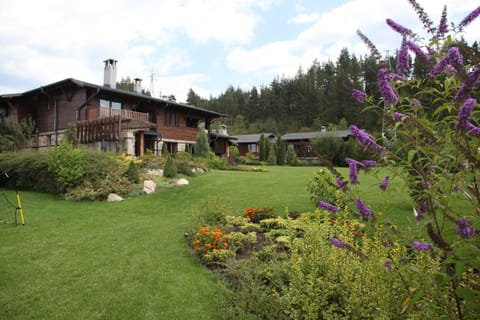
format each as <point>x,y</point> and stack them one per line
<point>128,260</point>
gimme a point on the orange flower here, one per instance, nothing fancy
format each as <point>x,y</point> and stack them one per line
<point>225,245</point>
<point>198,249</point>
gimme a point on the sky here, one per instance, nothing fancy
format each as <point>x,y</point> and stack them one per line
<point>206,45</point>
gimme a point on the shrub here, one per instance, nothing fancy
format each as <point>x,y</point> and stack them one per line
<point>27,170</point>
<point>68,164</point>
<point>291,156</point>
<point>132,173</point>
<point>280,148</point>
<point>272,155</point>
<point>234,153</point>
<point>201,149</point>
<point>323,187</point>
<point>170,169</point>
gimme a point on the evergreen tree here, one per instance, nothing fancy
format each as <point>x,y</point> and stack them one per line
<point>170,169</point>
<point>132,172</point>
<point>202,149</point>
<point>272,155</point>
<point>263,148</point>
<point>280,147</point>
<point>291,156</point>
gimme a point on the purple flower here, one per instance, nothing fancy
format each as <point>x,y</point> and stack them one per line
<point>415,102</point>
<point>421,246</point>
<point>403,62</point>
<point>384,183</point>
<point>467,86</point>
<point>353,170</point>
<point>422,206</point>
<point>454,56</point>
<point>328,206</point>
<point>415,48</point>
<point>397,116</point>
<point>337,243</point>
<point>464,229</point>
<point>396,77</point>
<point>456,188</point>
<point>465,113</point>
<point>340,183</point>
<point>443,27</point>
<point>439,67</point>
<point>364,210</point>
<point>369,163</point>
<point>468,19</point>
<point>366,140</point>
<point>473,130</point>
<point>360,96</point>
<point>399,28</point>
<point>386,90</point>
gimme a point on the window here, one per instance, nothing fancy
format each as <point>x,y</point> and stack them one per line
<point>192,123</point>
<point>107,104</point>
<point>252,147</point>
<point>171,119</point>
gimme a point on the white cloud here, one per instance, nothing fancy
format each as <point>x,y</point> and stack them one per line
<point>304,18</point>
<point>46,41</point>
<point>335,30</point>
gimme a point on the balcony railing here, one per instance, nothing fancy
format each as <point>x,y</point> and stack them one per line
<point>134,115</point>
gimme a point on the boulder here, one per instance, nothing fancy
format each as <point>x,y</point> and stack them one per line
<point>155,172</point>
<point>182,182</point>
<point>112,197</point>
<point>149,186</point>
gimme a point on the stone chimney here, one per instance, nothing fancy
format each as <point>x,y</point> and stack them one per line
<point>110,73</point>
<point>137,85</point>
<point>223,129</point>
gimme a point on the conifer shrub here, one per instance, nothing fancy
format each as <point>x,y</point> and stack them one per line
<point>291,155</point>
<point>202,148</point>
<point>272,155</point>
<point>132,172</point>
<point>170,169</point>
<point>281,153</point>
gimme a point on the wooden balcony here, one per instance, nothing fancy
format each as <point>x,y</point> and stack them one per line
<point>125,114</point>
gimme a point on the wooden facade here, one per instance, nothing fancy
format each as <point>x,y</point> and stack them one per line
<point>103,114</point>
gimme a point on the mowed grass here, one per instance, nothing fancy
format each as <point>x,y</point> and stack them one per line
<point>129,260</point>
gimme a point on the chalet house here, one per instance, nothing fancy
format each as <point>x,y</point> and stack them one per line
<point>302,141</point>
<point>250,142</point>
<point>108,118</point>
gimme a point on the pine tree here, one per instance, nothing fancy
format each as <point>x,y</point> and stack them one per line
<point>202,149</point>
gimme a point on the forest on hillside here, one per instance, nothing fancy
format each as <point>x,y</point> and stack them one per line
<point>316,97</point>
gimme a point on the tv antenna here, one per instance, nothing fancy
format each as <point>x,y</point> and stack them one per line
<point>152,83</point>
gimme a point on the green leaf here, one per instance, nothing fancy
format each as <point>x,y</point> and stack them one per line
<point>411,154</point>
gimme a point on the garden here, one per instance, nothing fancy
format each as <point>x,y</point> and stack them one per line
<point>393,235</point>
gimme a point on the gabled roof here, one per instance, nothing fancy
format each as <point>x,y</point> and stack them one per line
<point>316,134</point>
<point>113,91</point>
<point>252,138</point>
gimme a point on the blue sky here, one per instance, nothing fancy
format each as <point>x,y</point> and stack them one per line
<point>206,45</point>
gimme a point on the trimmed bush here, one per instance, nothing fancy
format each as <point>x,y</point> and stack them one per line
<point>27,170</point>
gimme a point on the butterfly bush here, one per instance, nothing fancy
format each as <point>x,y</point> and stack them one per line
<point>431,138</point>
